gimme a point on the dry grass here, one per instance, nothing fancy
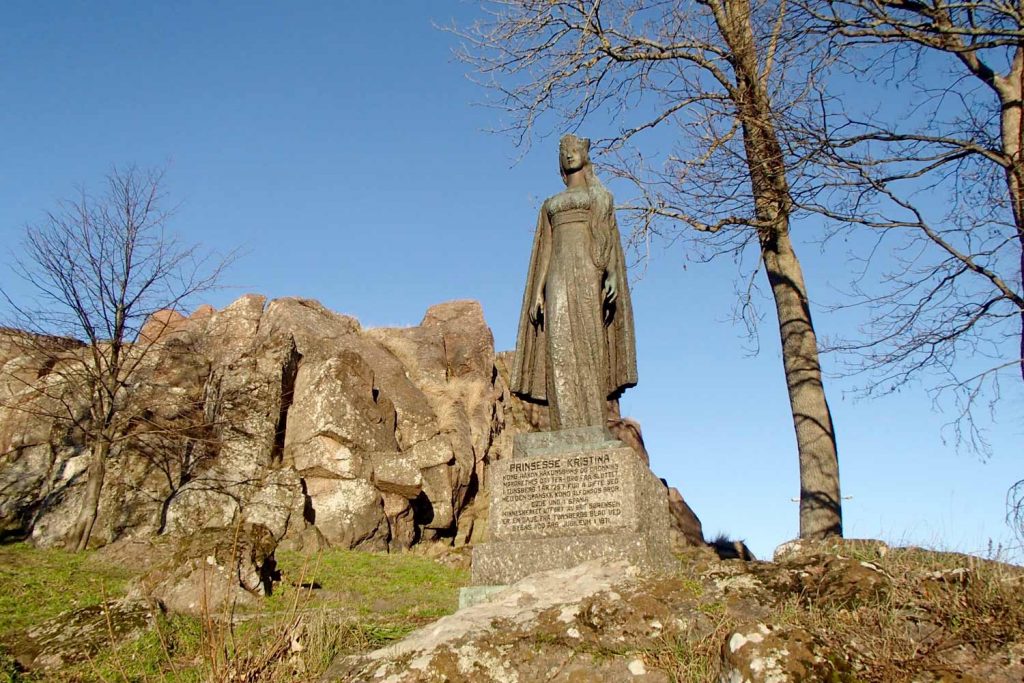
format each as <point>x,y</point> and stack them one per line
<point>922,612</point>
<point>931,612</point>
<point>940,611</point>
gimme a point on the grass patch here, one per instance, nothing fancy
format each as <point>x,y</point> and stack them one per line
<point>171,653</point>
<point>335,603</point>
<point>39,584</point>
<point>400,586</point>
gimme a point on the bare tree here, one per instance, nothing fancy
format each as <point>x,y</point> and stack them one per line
<point>940,180</point>
<point>719,85</point>
<point>954,303</point>
<point>99,268</point>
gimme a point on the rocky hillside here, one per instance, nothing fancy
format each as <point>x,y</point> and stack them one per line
<point>838,612</point>
<point>282,414</point>
<point>266,431</point>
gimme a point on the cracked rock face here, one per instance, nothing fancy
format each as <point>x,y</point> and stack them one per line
<point>212,571</point>
<point>283,414</point>
<point>766,654</point>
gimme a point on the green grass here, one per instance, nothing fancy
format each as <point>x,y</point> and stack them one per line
<point>402,586</point>
<point>172,653</point>
<point>40,584</point>
<point>362,601</point>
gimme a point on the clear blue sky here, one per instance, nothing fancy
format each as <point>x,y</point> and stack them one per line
<point>338,143</point>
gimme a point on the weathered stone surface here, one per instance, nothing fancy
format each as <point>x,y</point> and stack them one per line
<point>213,570</point>
<point>401,519</point>
<point>277,503</point>
<point>766,654</point>
<point>450,357</point>
<point>451,649</point>
<point>504,562</point>
<point>468,344</point>
<point>160,325</point>
<point>473,521</point>
<point>36,455</point>
<point>563,500</point>
<point>308,541</point>
<point>799,547</point>
<point>336,415</point>
<point>685,522</point>
<point>78,635</point>
<point>395,474</point>
<point>474,595</point>
<point>563,441</point>
<point>432,452</point>
<point>279,413</point>
<point>242,399</point>
<point>578,493</point>
<point>628,432</point>
<point>348,512</point>
<point>263,411</point>
<point>950,618</point>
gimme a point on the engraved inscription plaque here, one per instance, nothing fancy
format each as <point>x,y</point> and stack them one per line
<point>576,494</point>
<point>579,493</point>
<point>569,497</point>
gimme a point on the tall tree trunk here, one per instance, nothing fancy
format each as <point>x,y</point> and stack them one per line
<point>78,539</point>
<point>820,500</point>
<point>1012,134</point>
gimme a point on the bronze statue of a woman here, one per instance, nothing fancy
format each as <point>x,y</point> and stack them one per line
<point>576,349</point>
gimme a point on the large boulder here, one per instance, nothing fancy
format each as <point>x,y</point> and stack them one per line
<point>213,571</point>
<point>283,414</point>
<point>37,453</point>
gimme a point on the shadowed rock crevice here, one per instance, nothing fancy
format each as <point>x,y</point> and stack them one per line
<point>288,374</point>
<point>308,512</point>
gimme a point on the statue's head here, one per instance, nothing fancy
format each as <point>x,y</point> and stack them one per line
<point>573,154</point>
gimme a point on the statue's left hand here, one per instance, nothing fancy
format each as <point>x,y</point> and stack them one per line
<point>611,286</point>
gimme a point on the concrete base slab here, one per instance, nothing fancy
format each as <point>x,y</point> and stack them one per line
<point>474,595</point>
<point>510,561</point>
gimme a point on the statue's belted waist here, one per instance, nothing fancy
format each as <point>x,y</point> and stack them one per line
<point>567,216</point>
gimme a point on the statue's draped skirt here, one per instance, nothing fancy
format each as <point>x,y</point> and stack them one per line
<point>576,363</point>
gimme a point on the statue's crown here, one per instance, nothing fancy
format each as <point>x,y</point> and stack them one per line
<point>570,139</point>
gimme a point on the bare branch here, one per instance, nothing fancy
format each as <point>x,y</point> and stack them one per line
<point>100,267</point>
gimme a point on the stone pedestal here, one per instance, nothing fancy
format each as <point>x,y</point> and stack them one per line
<point>567,497</point>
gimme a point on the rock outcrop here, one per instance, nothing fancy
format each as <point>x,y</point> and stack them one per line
<point>284,415</point>
<point>213,571</point>
<point>829,611</point>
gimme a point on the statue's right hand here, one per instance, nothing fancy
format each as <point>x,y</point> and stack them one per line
<point>537,310</point>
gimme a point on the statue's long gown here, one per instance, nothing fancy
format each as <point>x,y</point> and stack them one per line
<point>572,316</point>
<point>582,353</point>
